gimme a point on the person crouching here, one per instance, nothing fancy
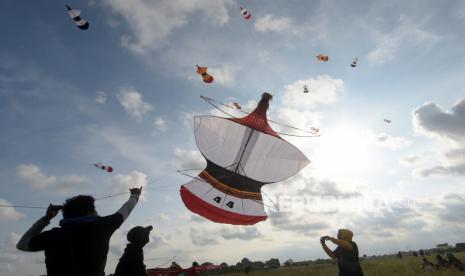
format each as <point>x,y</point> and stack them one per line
<point>132,261</point>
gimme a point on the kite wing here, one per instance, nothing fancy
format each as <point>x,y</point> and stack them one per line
<point>242,154</point>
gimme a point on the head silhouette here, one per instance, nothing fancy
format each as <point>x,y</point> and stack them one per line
<point>79,206</point>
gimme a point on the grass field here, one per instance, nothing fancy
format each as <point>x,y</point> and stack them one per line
<point>389,266</point>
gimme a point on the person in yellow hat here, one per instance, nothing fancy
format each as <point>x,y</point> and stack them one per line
<point>346,253</point>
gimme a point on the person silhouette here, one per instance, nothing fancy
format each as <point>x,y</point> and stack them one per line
<point>79,247</point>
<point>346,253</point>
<point>132,261</point>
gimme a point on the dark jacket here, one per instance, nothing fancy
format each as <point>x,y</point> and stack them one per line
<point>348,261</point>
<point>79,247</point>
<point>132,262</point>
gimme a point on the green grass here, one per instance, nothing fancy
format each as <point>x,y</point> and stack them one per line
<point>388,266</point>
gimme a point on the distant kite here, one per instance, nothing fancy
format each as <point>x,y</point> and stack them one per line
<point>237,105</point>
<point>246,14</point>
<point>103,167</point>
<point>321,57</point>
<point>305,89</point>
<point>205,76</point>
<point>354,62</point>
<point>78,21</point>
<point>314,129</point>
<point>387,121</point>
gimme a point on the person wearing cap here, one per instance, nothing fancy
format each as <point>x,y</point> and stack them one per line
<point>346,253</point>
<point>79,247</point>
<point>132,261</point>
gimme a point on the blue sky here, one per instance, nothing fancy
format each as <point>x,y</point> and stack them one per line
<point>125,92</point>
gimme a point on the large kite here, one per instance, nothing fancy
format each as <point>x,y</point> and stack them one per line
<point>243,154</point>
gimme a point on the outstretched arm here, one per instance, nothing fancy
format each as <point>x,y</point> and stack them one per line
<point>37,227</point>
<point>326,248</point>
<point>344,244</point>
<point>127,207</point>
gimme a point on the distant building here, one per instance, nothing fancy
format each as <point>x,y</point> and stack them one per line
<point>443,246</point>
<point>460,246</point>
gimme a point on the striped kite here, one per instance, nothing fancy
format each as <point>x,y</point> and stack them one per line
<point>78,21</point>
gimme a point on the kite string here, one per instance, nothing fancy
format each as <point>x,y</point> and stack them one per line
<point>22,206</point>
<point>99,198</point>
<point>172,259</point>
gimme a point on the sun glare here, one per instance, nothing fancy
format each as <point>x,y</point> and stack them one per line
<point>342,151</point>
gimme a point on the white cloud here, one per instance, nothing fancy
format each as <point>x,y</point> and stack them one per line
<point>9,214</point>
<point>285,25</point>
<point>430,119</point>
<point>10,258</point>
<point>224,74</point>
<point>448,129</point>
<point>101,97</point>
<point>322,90</point>
<point>409,160</point>
<point>132,102</point>
<point>295,106</point>
<point>272,23</point>
<point>152,22</point>
<point>203,237</point>
<point>161,217</point>
<point>299,224</point>
<point>33,176</point>
<point>407,33</point>
<point>189,159</point>
<point>388,141</point>
<point>241,233</point>
<point>123,182</point>
<point>160,124</point>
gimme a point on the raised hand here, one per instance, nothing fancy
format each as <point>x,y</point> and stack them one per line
<point>52,211</point>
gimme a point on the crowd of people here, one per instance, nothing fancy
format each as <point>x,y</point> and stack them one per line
<point>451,262</point>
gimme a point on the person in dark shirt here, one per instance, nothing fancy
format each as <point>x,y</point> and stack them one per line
<point>346,253</point>
<point>80,246</point>
<point>132,261</point>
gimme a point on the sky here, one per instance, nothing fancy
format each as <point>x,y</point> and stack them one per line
<point>124,93</point>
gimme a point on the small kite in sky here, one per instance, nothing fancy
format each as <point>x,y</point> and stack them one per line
<point>305,89</point>
<point>321,57</point>
<point>104,167</point>
<point>387,121</point>
<point>237,105</point>
<point>78,21</point>
<point>246,14</point>
<point>354,62</point>
<point>205,76</point>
